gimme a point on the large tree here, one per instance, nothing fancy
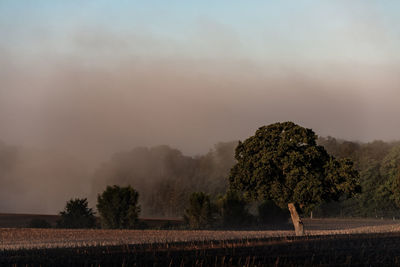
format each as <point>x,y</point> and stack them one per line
<point>283,163</point>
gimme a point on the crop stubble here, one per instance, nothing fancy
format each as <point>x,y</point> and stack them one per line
<point>343,242</point>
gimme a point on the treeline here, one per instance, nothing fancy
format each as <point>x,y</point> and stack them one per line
<point>165,178</point>
<point>378,163</point>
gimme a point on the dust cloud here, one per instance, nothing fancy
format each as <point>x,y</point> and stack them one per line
<point>89,113</point>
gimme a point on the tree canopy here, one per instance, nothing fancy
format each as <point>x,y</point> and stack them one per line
<point>283,163</point>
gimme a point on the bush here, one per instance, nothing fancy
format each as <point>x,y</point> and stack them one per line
<point>39,223</point>
<point>118,207</point>
<point>270,214</point>
<point>199,214</point>
<point>77,214</point>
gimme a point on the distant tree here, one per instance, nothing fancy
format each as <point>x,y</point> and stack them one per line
<point>39,223</point>
<point>148,170</point>
<point>77,214</point>
<point>283,163</point>
<point>374,152</point>
<point>331,145</point>
<point>376,170</point>
<point>199,214</point>
<point>165,177</point>
<point>118,207</point>
<point>213,168</point>
<point>340,148</point>
<point>233,209</point>
<point>390,171</point>
<point>370,201</point>
<point>168,198</point>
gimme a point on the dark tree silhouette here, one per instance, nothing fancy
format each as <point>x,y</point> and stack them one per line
<point>77,214</point>
<point>118,207</point>
<point>234,212</point>
<point>283,163</point>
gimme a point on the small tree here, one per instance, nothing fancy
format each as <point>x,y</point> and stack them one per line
<point>199,214</point>
<point>118,207</point>
<point>233,210</point>
<point>77,214</point>
<point>283,163</point>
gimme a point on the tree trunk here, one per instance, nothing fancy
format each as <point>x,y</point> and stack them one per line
<point>298,224</point>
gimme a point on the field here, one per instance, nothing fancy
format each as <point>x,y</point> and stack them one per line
<point>328,242</point>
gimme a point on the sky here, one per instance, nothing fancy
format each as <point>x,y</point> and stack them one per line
<point>95,77</point>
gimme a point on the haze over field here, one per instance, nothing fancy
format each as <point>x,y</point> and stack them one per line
<point>86,79</point>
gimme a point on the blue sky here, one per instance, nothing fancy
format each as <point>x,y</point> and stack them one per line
<point>303,30</point>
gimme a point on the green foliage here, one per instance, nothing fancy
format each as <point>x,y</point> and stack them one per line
<point>283,163</point>
<point>165,177</point>
<point>390,169</point>
<point>377,179</point>
<point>370,201</point>
<point>118,207</point>
<point>77,214</point>
<point>200,212</point>
<point>233,209</point>
<point>39,223</point>
<point>269,213</point>
<point>341,178</point>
